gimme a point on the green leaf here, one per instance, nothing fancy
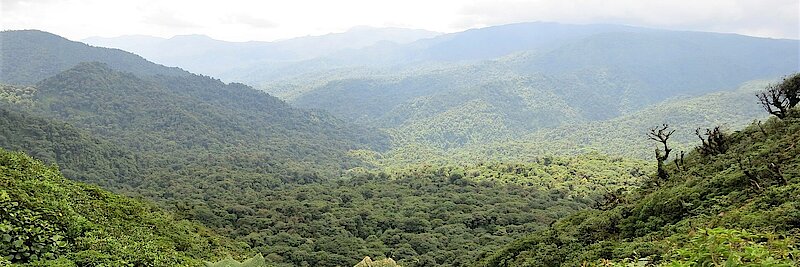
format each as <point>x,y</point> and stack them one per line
<point>18,243</point>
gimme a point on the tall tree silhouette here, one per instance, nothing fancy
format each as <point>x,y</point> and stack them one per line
<point>779,99</point>
<point>661,134</point>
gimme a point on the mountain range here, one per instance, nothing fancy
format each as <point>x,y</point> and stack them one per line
<point>193,52</point>
<point>503,82</point>
<point>514,145</point>
<point>164,113</point>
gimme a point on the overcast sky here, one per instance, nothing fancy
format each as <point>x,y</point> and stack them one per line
<point>240,20</point>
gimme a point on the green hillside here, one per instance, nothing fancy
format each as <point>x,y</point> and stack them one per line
<point>738,206</point>
<point>624,135</point>
<point>474,106</point>
<point>331,221</point>
<point>168,146</point>
<point>47,220</point>
<point>663,64</point>
<point>251,108</point>
<point>149,109</point>
<point>235,61</point>
<point>442,160</point>
<point>170,139</point>
<point>80,156</point>
<point>574,75</point>
<point>29,56</point>
<point>149,117</point>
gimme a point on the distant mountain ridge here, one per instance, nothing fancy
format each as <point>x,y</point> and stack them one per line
<point>202,54</point>
<point>29,56</point>
<point>471,164</point>
<point>158,110</point>
<point>502,83</point>
<point>593,74</point>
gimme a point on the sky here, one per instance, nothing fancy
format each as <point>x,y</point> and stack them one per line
<point>268,20</point>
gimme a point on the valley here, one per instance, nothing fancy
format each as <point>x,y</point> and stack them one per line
<point>521,144</point>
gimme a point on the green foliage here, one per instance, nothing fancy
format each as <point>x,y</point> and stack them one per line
<point>305,189</point>
<point>47,220</point>
<point>173,141</point>
<point>254,169</point>
<point>164,115</point>
<point>17,95</point>
<point>159,114</point>
<point>29,56</point>
<point>728,247</point>
<point>588,80</point>
<point>256,261</point>
<point>406,213</point>
<point>25,235</point>
<point>779,99</point>
<point>80,156</point>
<point>400,212</point>
<point>580,176</point>
<point>625,135</point>
<point>751,188</point>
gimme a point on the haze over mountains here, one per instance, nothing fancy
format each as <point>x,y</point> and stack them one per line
<point>503,82</point>
<point>487,85</point>
<point>157,110</point>
<point>432,149</point>
<point>201,54</point>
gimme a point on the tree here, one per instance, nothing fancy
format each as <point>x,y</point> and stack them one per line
<point>779,99</point>
<point>713,143</point>
<point>661,135</point>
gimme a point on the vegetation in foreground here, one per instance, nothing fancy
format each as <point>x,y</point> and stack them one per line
<point>262,174</point>
<point>733,201</point>
<point>49,220</point>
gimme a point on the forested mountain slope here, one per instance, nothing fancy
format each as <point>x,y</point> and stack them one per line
<point>293,213</point>
<point>79,155</point>
<point>497,41</point>
<point>306,189</point>
<point>150,117</point>
<point>263,62</point>
<point>162,145</point>
<point>172,139</point>
<point>736,203</point>
<point>594,78</point>
<point>398,213</point>
<point>454,48</point>
<point>623,136</point>
<point>191,111</point>
<point>29,56</point>
<point>53,221</point>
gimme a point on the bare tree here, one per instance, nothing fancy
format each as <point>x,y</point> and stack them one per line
<point>779,99</point>
<point>661,135</point>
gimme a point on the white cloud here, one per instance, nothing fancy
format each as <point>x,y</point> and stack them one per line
<point>241,20</point>
<point>770,18</point>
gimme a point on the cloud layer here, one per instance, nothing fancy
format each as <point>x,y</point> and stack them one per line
<point>241,20</point>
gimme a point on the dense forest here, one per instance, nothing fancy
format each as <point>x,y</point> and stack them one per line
<point>459,157</point>
<point>733,202</point>
<point>48,219</point>
<point>319,222</point>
